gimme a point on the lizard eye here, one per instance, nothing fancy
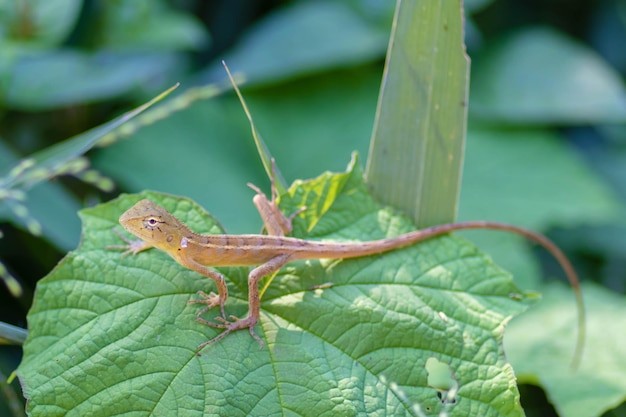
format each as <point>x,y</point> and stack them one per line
<point>151,222</point>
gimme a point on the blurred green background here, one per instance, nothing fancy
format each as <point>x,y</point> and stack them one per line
<point>546,145</point>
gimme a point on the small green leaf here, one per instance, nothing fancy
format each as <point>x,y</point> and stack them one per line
<point>149,25</point>
<point>115,335</point>
<point>537,352</point>
<point>38,23</point>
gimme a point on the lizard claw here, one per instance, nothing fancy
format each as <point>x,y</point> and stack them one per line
<point>211,300</point>
<point>223,325</point>
<point>230,326</point>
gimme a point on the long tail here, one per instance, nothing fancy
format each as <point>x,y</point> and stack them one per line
<point>369,248</point>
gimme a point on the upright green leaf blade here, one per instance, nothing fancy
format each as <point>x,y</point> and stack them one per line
<point>416,152</point>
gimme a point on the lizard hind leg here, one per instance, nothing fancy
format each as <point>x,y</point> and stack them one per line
<point>254,304</point>
<point>274,221</point>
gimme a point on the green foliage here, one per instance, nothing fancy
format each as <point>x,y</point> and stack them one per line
<point>65,158</point>
<point>560,190</point>
<point>216,156</point>
<point>313,94</point>
<point>441,299</point>
<point>131,48</point>
<point>330,35</point>
<point>575,86</point>
<point>537,351</point>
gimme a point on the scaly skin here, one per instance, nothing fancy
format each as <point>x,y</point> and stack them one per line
<point>156,227</point>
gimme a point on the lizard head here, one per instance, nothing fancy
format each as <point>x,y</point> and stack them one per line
<point>153,224</point>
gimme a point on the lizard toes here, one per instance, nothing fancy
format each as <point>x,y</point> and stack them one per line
<point>223,325</point>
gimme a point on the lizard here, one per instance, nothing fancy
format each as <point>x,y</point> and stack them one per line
<point>156,227</point>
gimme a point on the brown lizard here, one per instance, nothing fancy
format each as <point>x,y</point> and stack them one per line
<point>156,227</point>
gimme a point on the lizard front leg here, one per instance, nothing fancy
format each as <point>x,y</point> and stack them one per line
<point>211,300</point>
<point>254,303</point>
<point>132,247</point>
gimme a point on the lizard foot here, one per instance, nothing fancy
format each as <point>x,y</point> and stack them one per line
<point>211,300</point>
<point>231,326</point>
<point>132,247</point>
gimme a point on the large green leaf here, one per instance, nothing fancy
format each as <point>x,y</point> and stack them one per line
<point>303,38</point>
<point>539,76</point>
<point>114,335</point>
<point>45,80</point>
